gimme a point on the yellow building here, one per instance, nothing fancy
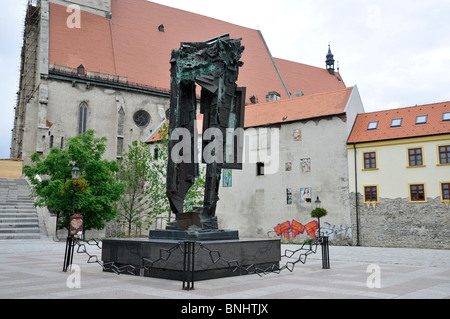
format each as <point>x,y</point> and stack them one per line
<point>399,176</point>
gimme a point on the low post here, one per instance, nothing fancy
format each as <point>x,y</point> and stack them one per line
<point>68,257</point>
<point>189,265</point>
<point>325,252</point>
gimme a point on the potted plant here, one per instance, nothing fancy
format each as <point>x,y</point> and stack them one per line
<point>318,213</point>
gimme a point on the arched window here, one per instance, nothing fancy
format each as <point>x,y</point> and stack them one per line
<point>82,118</point>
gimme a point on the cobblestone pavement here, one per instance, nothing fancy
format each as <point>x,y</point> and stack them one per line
<point>32,269</point>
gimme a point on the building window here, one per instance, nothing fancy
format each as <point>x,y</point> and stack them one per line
<point>446,117</point>
<point>417,192</point>
<point>372,126</point>
<point>415,157</point>
<point>370,160</point>
<point>141,118</point>
<point>396,123</point>
<point>52,139</point>
<point>370,194</point>
<point>260,169</point>
<point>82,118</point>
<point>445,187</point>
<point>444,154</point>
<point>422,119</point>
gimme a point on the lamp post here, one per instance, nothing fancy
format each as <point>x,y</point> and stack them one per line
<point>323,240</point>
<point>68,257</point>
<point>318,205</point>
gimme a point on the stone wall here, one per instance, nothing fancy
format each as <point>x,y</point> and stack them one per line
<point>399,223</point>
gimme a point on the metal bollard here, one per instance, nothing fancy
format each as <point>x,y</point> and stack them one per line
<point>189,265</point>
<point>325,253</point>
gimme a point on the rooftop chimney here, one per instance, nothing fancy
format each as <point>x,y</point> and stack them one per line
<point>273,96</point>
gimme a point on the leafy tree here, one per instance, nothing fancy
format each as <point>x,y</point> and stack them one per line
<point>95,192</point>
<point>138,177</point>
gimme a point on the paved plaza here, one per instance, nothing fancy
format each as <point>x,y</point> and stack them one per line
<point>32,269</point>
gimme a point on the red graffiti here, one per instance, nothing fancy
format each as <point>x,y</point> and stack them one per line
<point>283,229</point>
<point>297,228</point>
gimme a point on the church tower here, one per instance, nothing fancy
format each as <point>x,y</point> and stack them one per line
<point>330,61</point>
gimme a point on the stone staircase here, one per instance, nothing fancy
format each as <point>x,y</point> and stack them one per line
<point>18,216</point>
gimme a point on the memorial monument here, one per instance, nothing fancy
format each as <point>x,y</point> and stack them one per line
<point>194,243</point>
<point>213,65</point>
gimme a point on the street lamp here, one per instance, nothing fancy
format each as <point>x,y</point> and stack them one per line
<point>318,203</point>
<point>323,240</point>
<point>76,173</point>
<point>68,258</point>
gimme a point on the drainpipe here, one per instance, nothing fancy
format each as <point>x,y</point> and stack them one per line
<point>356,198</point>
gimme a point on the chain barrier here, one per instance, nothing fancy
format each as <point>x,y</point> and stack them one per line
<point>190,249</point>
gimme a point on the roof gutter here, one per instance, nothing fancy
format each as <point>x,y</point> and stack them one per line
<point>112,85</point>
<point>275,65</point>
<point>356,198</point>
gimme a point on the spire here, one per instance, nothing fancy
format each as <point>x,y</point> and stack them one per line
<point>330,61</point>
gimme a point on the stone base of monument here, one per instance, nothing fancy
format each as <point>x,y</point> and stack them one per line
<point>162,258</point>
<point>203,235</point>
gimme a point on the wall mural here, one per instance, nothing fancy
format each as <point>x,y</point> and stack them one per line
<point>305,165</point>
<point>295,228</point>
<point>227,178</point>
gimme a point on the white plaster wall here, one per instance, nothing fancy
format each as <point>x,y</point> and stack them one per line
<point>103,107</point>
<point>256,204</point>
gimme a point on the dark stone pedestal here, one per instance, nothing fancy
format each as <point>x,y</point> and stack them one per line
<point>213,259</point>
<point>199,235</point>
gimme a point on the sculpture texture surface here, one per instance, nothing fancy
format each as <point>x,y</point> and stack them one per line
<point>214,66</point>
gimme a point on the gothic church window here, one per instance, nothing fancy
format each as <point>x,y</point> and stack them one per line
<point>82,120</point>
<point>142,119</point>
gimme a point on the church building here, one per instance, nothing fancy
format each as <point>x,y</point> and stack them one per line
<point>104,65</point>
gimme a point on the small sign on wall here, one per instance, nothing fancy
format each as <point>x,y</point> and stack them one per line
<point>227,178</point>
<point>305,165</point>
<point>289,196</point>
<point>297,135</point>
<point>305,195</point>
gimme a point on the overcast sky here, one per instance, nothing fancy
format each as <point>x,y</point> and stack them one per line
<point>397,52</point>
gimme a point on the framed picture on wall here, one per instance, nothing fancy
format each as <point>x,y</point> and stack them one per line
<point>305,165</point>
<point>305,195</point>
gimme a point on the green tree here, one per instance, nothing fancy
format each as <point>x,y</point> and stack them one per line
<point>53,188</point>
<point>138,176</point>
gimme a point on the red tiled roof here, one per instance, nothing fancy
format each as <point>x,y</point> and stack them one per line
<point>289,110</point>
<point>298,108</point>
<point>305,78</point>
<point>435,124</point>
<point>131,45</point>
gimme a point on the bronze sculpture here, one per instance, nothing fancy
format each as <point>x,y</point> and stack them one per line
<point>214,66</point>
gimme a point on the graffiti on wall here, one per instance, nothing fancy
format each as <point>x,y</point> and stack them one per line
<point>294,228</point>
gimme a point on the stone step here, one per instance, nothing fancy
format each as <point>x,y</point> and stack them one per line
<point>18,207</point>
<point>17,211</point>
<point>22,215</point>
<point>18,215</point>
<point>29,230</point>
<point>15,220</point>
<point>18,225</point>
<point>19,236</point>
